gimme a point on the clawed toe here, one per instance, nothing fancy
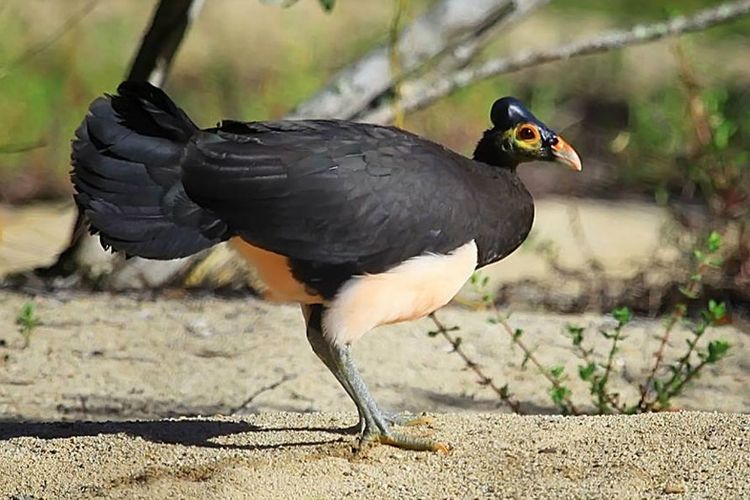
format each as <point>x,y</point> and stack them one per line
<point>403,441</point>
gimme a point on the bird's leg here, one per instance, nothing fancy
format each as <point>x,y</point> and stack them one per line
<point>374,425</point>
<point>321,348</point>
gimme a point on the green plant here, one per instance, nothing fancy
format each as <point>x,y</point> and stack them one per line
<point>665,379</point>
<point>657,392</point>
<point>27,321</point>
<point>560,393</point>
<point>695,149</point>
<point>596,374</point>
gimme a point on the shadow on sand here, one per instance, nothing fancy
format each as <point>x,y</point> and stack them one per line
<point>188,432</point>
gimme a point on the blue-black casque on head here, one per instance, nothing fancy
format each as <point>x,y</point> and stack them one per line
<point>509,111</point>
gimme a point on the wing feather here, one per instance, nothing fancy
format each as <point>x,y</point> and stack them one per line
<point>331,192</point>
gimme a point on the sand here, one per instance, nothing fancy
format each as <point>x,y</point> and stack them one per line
<point>197,396</point>
<point>85,409</point>
<point>292,455</point>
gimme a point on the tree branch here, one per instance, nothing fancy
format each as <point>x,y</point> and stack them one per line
<point>460,53</point>
<point>159,45</point>
<point>428,38</point>
<point>420,93</point>
<point>169,22</point>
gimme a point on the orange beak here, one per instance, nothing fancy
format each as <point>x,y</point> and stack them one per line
<point>565,154</point>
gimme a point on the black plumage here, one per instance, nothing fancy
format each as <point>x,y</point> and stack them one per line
<point>337,198</point>
<point>322,208</point>
<point>126,170</point>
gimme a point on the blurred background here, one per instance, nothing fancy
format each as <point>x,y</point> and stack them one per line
<point>628,110</point>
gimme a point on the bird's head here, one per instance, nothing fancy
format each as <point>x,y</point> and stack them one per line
<point>518,136</point>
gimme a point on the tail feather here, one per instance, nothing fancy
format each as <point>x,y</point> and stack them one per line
<point>127,175</point>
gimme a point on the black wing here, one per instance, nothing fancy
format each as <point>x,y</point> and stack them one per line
<point>333,193</point>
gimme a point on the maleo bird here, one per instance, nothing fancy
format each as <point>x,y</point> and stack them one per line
<point>363,225</point>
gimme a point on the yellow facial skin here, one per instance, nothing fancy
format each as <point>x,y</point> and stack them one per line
<point>527,137</point>
<point>527,140</point>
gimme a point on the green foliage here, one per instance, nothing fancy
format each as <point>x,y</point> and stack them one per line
<point>623,315</point>
<point>27,321</point>
<point>557,371</point>
<point>576,333</point>
<point>705,257</point>
<point>693,146</point>
<point>558,394</point>
<point>662,386</point>
<point>327,4</point>
<point>713,242</point>
<point>717,349</point>
<point>717,310</point>
<point>585,372</point>
<point>666,379</point>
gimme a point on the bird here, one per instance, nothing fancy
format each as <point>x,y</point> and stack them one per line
<point>362,225</point>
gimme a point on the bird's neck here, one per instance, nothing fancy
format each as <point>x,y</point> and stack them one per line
<point>487,151</point>
<point>506,209</point>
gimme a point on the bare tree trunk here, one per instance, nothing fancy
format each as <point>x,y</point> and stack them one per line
<point>152,61</point>
<point>159,45</point>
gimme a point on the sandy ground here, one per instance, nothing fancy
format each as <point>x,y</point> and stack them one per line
<point>291,455</point>
<point>72,403</point>
<point>117,356</point>
<point>138,396</point>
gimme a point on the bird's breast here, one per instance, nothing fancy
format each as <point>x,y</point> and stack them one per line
<point>408,291</point>
<point>505,224</point>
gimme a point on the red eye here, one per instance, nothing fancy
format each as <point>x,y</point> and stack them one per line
<point>528,133</point>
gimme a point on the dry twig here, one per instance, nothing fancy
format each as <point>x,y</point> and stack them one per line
<point>529,354</point>
<point>484,379</point>
<point>273,385</point>
<point>420,93</point>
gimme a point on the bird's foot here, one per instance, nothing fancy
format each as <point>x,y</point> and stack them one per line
<point>382,434</point>
<point>404,442</point>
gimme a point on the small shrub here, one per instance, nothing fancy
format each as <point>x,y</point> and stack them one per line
<point>665,380</point>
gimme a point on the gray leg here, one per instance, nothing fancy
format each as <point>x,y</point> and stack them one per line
<point>374,426</point>
<point>322,349</point>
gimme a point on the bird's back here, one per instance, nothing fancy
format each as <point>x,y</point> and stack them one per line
<point>334,193</point>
